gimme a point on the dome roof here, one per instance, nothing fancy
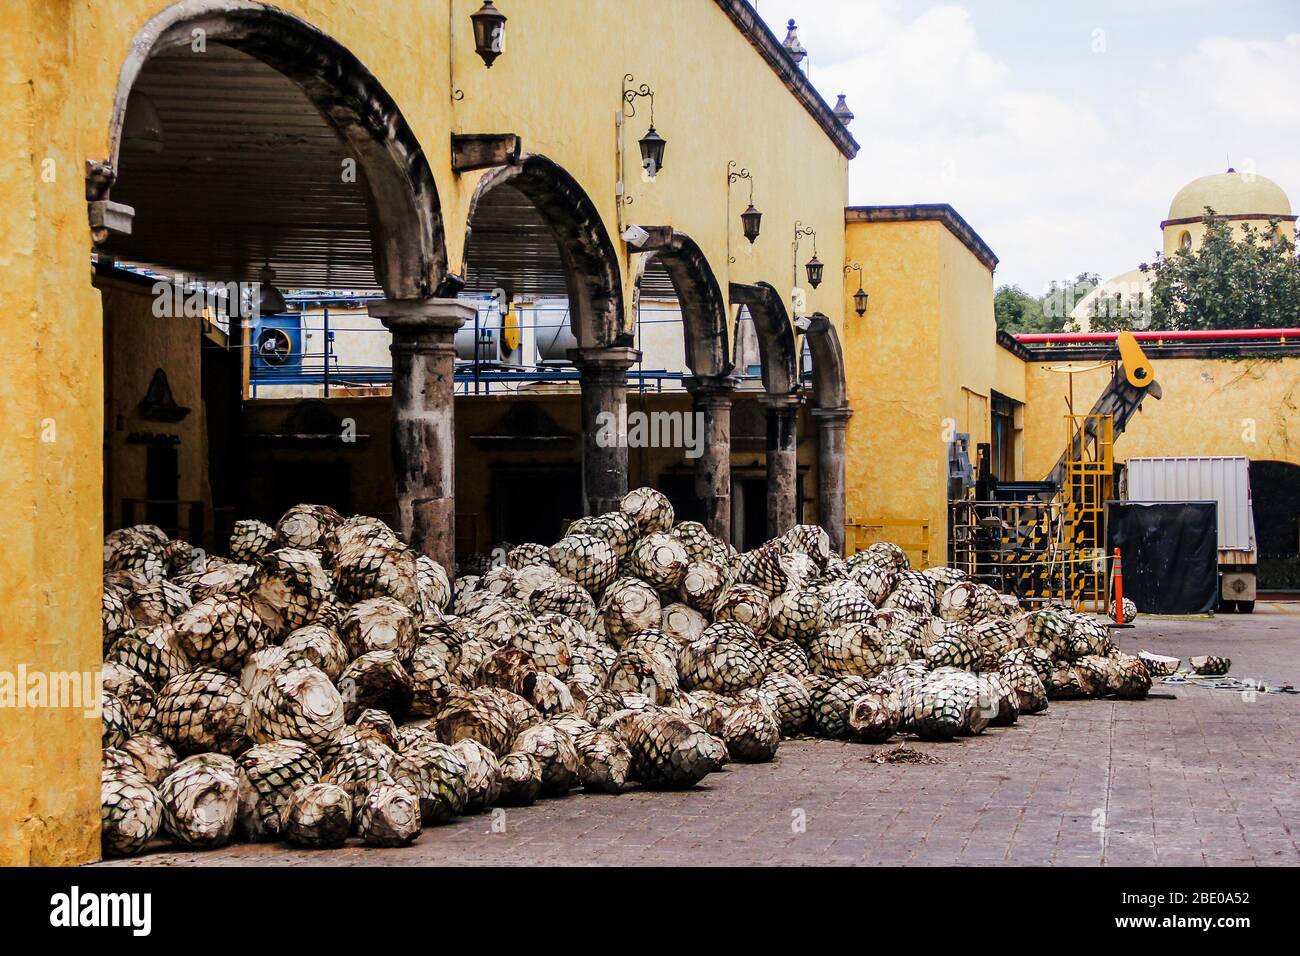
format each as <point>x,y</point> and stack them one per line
<point>1230,194</point>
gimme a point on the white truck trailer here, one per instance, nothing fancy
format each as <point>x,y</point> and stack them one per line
<point>1223,480</point>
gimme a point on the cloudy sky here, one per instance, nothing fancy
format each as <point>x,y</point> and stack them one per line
<point>1060,131</point>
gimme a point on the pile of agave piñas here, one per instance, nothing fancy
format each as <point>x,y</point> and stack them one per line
<point>326,681</point>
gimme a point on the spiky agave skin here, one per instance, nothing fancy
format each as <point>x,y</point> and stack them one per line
<point>604,761</point>
<point>437,775</point>
<point>521,780</point>
<point>379,624</point>
<point>586,560</point>
<point>752,731</point>
<point>220,631</point>
<point>307,526</point>
<point>874,717</point>
<point>318,815</point>
<point>702,583</point>
<point>250,539</point>
<point>203,711</point>
<point>1130,678</point>
<point>859,649</point>
<point>298,702</point>
<point>475,715</point>
<point>671,752</point>
<point>1130,611</point>
<point>795,616</point>
<point>831,700</point>
<point>151,755</point>
<point>745,604</point>
<point>650,508</point>
<point>660,560</point>
<point>388,815</point>
<point>116,725</point>
<point>564,597</point>
<point>790,698</point>
<point>372,567</point>
<point>1031,695</point>
<point>788,658</point>
<point>643,670</point>
<point>555,752</point>
<point>201,801</point>
<point>319,645</point>
<point>629,605</point>
<point>130,810</point>
<point>482,774</point>
<point>942,705</point>
<point>726,659</point>
<point>1209,665</point>
<point>269,774</point>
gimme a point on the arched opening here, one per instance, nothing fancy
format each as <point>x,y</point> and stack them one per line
<point>545,275</point>
<point>831,412</point>
<point>779,357</point>
<point>1275,498</point>
<point>681,317</point>
<point>244,138</point>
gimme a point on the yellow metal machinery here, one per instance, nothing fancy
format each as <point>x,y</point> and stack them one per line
<point>1048,543</point>
<point>1087,485</point>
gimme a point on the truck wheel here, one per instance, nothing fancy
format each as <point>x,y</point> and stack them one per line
<point>1245,607</point>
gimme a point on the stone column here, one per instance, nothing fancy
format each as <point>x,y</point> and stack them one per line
<point>424,433</point>
<point>604,424</point>
<point>712,400</point>
<point>782,462</point>
<point>831,423</point>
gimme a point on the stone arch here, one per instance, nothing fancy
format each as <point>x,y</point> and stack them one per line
<point>407,238</point>
<point>776,346</point>
<point>588,255</point>
<point>703,308</point>
<point>831,412</point>
<point>829,389</point>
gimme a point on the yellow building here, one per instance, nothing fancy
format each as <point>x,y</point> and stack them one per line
<point>1244,199</point>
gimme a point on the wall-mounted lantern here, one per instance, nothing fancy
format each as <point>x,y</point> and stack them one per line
<point>859,297</point>
<point>652,144</point>
<point>814,265</point>
<point>489,32</point>
<point>751,219</point>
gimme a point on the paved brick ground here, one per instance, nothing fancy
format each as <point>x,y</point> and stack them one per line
<point>1207,778</point>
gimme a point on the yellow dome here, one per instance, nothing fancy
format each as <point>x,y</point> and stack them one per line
<point>1230,194</point>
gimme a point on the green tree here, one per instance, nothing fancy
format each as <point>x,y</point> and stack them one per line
<point>1222,283</point>
<point>1017,311</point>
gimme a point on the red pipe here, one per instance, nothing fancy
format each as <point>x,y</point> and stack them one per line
<point>1194,335</point>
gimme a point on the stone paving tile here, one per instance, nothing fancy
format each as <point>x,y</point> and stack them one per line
<point>1208,778</point>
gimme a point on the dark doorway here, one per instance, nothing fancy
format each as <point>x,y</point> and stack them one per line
<point>749,513</point>
<point>317,482</point>
<point>680,490</point>
<point>532,504</point>
<point>162,484</point>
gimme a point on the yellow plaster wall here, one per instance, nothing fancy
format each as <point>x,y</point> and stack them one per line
<point>1245,407</point>
<point>50,439</point>
<point>558,86</point>
<point>918,366</point>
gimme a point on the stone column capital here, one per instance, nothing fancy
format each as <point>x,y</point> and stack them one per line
<point>617,358</point>
<point>781,403</point>
<point>437,318</point>
<point>710,388</point>
<point>832,417</point>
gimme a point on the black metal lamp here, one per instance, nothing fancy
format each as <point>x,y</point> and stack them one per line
<point>489,32</point>
<point>859,297</point>
<point>751,218</point>
<point>652,151</point>
<point>270,300</point>
<point>814,268</point>
<point>652,144</point>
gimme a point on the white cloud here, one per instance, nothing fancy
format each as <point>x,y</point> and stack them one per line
<point>1057,172</point>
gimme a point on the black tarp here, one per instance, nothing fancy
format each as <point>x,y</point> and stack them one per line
<point>1170,551</point>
